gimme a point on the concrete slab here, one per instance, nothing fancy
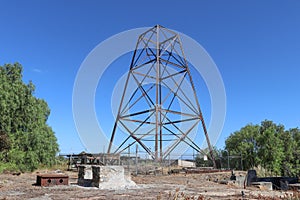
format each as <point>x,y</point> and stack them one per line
<point>263,185</point>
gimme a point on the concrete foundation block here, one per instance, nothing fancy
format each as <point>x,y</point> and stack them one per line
<point>106,177</point>
<point>263,185</point>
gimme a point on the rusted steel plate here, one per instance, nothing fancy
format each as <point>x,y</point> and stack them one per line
<point>52,179</point>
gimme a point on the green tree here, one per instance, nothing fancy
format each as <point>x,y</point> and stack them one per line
<point>269,146</point>
<point>4,145</point>
<point>289,144</point>
<point>244,142</point>
<point>29,141</point>
<point>295,133</point>
<point>270,151</point>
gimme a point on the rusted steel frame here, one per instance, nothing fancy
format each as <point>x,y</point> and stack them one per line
<point>179,121</point>
<point>180,113</point>
<point>175,93</point>
<point>145,94</point>
<point>179,61</point>
<point>142,95</point>
<point>173,38</point>
<point>195,147</point>
<point>140,124</point>
<point>182,60</point>
<point>144,64</point>
<point>182,131</point>
<point>153,54</point>
<point>157,106</point>
<point>147,98</point>
<point>180,72</point>
<point>193,88</point>
<point>117,119</point>
<point>172,91</point>
<point>164,29</point>
<point>151,29</point>
<point>138,140</point>
<point>136,48</point>
<point>145,75</point>
<point>168,39</point>
<point>165,49</point>
<point>118,116</point>
<point>140,83</point>
<point>122,144</point>
<point>122,99</point>
<point>137,113</point>
<point>135,91</point>
<point>144,135</point>
<point>184,135</point>
<point>198,105</point>
<point>165,66</point>
<point>172,63</point>
<point>138,121</point>
<point>146,59</point>
<point>190,105</point>
<point>149,40</point>
<point>137,100</point>
<point>133,62</point>
<point>208,142</point>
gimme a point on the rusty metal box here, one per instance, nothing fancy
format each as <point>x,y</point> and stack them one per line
<point>52,179</point>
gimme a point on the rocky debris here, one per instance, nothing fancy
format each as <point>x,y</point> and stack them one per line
<point>16,173</point>
<point>58,171</point>
<point>270,195</point>
<point>191,186</point>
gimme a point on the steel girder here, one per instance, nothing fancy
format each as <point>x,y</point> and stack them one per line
<point>159,105</point>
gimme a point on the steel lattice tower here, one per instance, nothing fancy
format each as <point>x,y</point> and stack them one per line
<point>162,109</point>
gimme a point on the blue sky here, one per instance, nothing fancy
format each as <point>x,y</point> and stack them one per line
<point>255,44</point>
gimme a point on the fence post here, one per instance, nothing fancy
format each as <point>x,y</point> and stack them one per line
<point>128,160</point>
<point>136,159</point>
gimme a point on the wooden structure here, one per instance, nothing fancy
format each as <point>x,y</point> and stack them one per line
<point>91,159</point>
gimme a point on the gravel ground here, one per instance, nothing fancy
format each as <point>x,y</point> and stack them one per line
<point>180,186</point>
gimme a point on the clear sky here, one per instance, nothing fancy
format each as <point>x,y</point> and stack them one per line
<point>255,44</point>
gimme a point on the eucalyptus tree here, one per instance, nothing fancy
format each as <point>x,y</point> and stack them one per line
<point>27,141</point>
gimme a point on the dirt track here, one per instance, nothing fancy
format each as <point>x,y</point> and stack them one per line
<point>191,186</point>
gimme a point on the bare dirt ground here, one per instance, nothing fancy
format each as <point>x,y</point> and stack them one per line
<point>179,186</point>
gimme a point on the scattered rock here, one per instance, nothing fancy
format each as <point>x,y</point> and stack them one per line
<point>58,171</point>
<point>16,173</point>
